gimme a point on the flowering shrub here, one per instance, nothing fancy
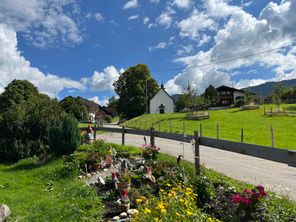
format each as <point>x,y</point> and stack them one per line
<point>150,152</point>
<point>249,203</point>
<point>175,204</point>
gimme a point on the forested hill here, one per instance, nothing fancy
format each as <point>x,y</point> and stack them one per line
<point>267,88</point>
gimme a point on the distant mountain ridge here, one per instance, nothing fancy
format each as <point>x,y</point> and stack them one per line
<point>267,88</point>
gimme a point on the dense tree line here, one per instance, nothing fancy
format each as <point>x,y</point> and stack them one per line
<point>26,117</point>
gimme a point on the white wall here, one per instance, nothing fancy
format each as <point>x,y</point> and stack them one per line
<point>161,98</point>
<point>236,93</point>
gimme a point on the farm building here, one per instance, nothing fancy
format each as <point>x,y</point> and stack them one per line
<point>162,102</point>
<point>95,110</point>
<point>228,95</point>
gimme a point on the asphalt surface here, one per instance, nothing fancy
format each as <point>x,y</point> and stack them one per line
<point>277,177</point>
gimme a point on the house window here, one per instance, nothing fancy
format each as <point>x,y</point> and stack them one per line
<point>222,93</point>
<point>224,102</point>
<point>228,92</point>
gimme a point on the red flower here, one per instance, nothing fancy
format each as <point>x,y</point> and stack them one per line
<point>236,198</point>
<point>245,200</point>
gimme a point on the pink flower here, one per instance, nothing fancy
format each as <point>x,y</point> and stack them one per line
<point>236,198</point>
<point>245,200</point>
<point>247,191</point>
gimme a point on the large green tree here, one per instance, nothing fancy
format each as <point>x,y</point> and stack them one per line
<point>211,95</point>
<point>131,90</point>
<point>75,107</point>
<point>25,120</point>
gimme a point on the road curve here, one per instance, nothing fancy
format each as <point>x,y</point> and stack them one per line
<point>276,177</point>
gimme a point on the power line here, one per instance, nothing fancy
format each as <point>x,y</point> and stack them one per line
<point>225,60</point>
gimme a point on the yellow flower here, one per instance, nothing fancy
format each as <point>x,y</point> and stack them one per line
<point>156,219</point>
<point>182,200</point>
<point>139,201</point>
<point>147,211</point>
<point>177,214</point>
<point>169,185</point>
<point>161,206</point>
<point>188,212</point>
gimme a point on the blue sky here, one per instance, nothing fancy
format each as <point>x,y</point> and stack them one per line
<point>78,48</point>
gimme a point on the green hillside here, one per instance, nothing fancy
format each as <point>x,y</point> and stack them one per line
<point>231,121</point>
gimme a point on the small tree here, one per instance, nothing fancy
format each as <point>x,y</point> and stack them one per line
<point>211,95</point>
<point>190,95</point>
<point>64,136</point>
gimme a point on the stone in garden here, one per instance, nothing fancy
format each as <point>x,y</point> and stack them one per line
<point>123,215</point>
<point>4,212</point>
<point>101,181</point>
<point>116,218</point>
<point>88,175</point>
<point>132,211</point>
<point>80,177</point>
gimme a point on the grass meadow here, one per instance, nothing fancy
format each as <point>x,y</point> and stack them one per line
<point>256,126</point>
<point>45,192</point>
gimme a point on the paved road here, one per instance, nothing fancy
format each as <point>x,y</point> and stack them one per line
<point>277,177</point>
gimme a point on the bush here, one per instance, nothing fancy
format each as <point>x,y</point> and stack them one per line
<point>108,119</point>
<point>64,137</point>
<point>24,126</point>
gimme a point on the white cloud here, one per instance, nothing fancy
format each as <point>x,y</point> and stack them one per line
<point>165,18</point>
<point>196,22</point>
<point>161,45</point>
<point>102,102</point>
<point>182,3</point>
<point>102,81</point>
<point>146,20</point>
<point>15,66</point>
<point>133,17</point>
<point>131,4</point>
<point>155,1</point>
<point>185,50</point>
<point>43,22</point>
<point>203,40</point>
<point>98,16</point>
<point>244,35</point>
<point>220,8</point>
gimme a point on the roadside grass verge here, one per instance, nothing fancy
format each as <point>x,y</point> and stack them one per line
<point>256,126</point>
<point>44,192</point>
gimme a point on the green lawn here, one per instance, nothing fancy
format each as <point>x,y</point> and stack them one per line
<point>231,121</point>
<point>37,192</point>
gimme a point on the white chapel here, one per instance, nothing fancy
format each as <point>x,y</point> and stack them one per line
<point>162,102</point>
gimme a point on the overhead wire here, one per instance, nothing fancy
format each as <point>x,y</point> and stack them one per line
<point>225,60</point>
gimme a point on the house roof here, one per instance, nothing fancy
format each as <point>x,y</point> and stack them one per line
<point>92,104</point>
<point>232,89</point>
<point>162,88</point>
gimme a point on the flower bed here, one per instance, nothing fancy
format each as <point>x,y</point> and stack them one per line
<point>148,186</point>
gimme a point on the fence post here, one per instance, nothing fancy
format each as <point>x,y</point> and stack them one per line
<point>218,131</point>
<point>200,129</point>
<point>183,127</point>
<point>123,136</point>
<point>242,135</point>
<point>159,126</point>
<point>145,124</point>
<point>170,126</point>
<point>152,138</point>
<point>272,137</point>
<point>197,157</point>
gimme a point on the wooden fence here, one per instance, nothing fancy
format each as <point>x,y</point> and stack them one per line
<point>263,152</point>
